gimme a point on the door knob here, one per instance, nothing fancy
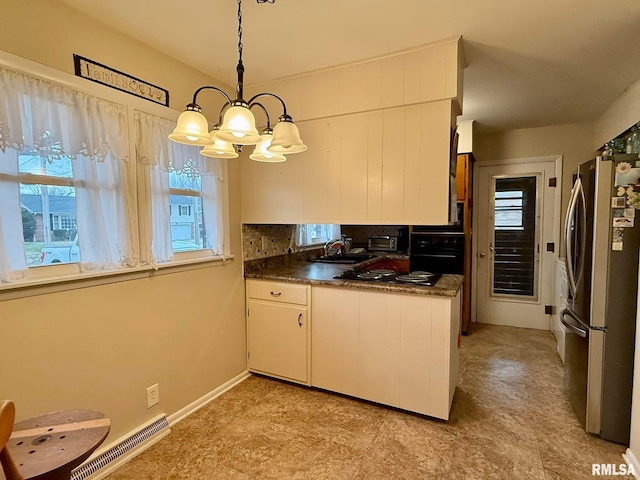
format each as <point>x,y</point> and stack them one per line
<point>482,255</point>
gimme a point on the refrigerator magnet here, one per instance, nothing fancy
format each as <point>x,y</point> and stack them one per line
<point>630,212</point>
<point>618,202</point>
<point>617,236</point>
<point>623,222</point>
<point>626,174</point>
<point>616,239</point>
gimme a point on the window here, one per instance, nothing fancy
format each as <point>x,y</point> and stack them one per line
<point>185,197</point>
<point>184,210</point>
<point>316,233</point>
<point>514,236</point>
<point>508,210</point>
<point>187,232</point>
<point>62,161</point>
<point>70,176</point>
<point>48,209</point>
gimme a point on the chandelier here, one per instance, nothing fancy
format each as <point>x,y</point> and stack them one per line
<point>236,125</point>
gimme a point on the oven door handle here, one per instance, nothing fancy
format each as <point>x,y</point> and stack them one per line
<point>435,255</point>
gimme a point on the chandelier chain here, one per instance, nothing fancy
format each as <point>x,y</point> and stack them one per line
<point>240,30</point>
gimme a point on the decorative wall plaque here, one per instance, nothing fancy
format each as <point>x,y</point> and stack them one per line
<point>99,73</point>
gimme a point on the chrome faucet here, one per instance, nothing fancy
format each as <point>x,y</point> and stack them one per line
<point>333,247</point>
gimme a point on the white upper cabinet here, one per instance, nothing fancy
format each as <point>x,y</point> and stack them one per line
<point>378,134</point>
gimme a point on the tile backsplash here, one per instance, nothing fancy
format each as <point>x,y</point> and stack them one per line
<point>278,238</point>
<point>277,241</point>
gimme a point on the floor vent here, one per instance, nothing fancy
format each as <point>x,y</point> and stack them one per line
<point>102,460</point>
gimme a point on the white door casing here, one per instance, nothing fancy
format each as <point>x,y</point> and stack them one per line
<point>527,312</point>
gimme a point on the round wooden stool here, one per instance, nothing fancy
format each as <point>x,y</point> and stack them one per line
<point>50,446</point>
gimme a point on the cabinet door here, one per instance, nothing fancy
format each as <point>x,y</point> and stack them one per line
<point>374,168</point>
<point>334,343</point>
<point>261,198</point>
<point>435,163</point>
<point>461,177</point>
<point>393,149</point>
<point>353,168</point>
<point>277,339</point>
<point>413,158</point>
<point>399,350</point>
<point>271,192</point>
<point>314,171</point>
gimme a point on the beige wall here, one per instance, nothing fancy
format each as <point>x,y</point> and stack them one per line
<point>100,347</point>
<point>574,142</point>
<point>620,116</point>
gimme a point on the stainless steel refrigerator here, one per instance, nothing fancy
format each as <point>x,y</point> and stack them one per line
<point>602,241</point>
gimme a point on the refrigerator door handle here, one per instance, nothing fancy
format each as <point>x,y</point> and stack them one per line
<point>571,279</point>
<point>580,329</point>
<point>583,231</point>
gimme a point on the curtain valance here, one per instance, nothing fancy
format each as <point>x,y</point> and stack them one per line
<point>53,121</point>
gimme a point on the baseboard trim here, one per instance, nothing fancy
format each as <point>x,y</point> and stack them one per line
<point>205,399</point>
<point>124,457</point>
<point>631,459</point>
<point>171,419</point>
<point>128,456</point>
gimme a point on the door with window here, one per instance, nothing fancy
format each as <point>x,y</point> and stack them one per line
<point>514,238</point>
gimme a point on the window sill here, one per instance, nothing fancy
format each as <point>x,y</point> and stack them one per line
<point>60,283</point>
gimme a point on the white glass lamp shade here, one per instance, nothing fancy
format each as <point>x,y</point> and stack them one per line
<point>286,138</point>
<point>191,129</point>
<point>261,154</point>
<point>239,126</point>
<point>219,148</point>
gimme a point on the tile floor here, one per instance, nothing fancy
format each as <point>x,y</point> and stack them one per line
<point>510,420</point>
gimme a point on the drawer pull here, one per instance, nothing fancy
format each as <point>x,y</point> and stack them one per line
<point>300,320</point>
<point>275,294</point>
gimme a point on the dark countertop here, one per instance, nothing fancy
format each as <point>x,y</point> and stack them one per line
<point>297,269</point>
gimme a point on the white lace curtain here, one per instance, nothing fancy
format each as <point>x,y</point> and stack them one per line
<point>156,157</point>
<point>54,123</point>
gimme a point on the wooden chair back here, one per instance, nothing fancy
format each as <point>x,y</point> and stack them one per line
<point>7,417</point>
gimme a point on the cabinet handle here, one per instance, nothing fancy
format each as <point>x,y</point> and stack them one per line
<point>275,294</point>
<point>300,320</point>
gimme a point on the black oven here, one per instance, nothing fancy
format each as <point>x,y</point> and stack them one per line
<point>437,251</point>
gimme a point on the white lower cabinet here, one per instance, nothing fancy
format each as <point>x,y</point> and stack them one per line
<point>396,349</point>
<point>278,330</point>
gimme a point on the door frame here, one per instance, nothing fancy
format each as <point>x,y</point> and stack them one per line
<point>557,216</point>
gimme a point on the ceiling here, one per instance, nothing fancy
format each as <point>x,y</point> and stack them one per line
<point>527,66</point>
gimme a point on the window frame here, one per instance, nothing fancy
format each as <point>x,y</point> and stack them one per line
<point>304,226</point>
<point>53,274</point>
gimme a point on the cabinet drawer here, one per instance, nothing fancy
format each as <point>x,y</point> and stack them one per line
<point>278,292</point>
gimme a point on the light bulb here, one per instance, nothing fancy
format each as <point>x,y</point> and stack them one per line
<point>193,139</point>
<point>238,134</point>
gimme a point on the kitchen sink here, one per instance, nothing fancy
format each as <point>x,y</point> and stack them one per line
<point>346,258</point>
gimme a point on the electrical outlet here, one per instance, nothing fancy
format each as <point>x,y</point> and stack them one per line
<point>264,243</point>
<point>153,395</point>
